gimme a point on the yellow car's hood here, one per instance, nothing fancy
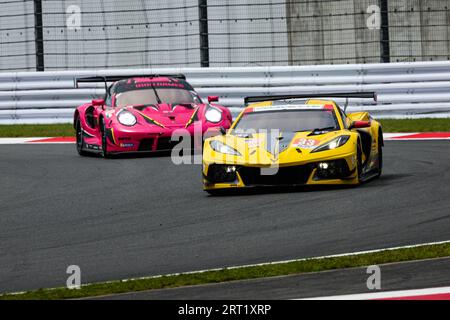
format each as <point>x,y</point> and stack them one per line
<point>266,149</point>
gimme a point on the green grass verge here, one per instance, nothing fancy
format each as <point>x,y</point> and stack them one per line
<point>66,130</point>
<point>271,270</point>
<point>37,130</point>
<point>416,125</point>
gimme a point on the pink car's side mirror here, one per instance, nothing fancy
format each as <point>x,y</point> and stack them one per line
<point>213,99</point>
<point>98,102</point>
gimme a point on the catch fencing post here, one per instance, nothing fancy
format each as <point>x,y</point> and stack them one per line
<point>203,25</point>
<point>384,36</point>
<point>39,35</point>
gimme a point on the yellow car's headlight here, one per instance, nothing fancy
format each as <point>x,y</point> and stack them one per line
<point>223,148</point>
<point>333,144</point>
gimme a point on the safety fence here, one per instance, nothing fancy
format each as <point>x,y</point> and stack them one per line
<point>420,89</point>
<point>52,35</point>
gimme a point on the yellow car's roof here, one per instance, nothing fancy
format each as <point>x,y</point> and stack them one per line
<point>312,102</point>
<point>292,104</point>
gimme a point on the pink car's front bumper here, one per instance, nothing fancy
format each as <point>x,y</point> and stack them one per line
<point>122,139</point>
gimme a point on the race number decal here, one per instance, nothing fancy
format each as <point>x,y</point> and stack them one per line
<point>305,143</point>
<point>253,143</point>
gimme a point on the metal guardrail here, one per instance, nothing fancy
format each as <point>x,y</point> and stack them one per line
<point>420,89</point>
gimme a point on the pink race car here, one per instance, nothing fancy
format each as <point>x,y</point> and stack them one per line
<point>140,114</point>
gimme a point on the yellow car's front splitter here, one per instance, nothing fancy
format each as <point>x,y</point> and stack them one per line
<point>313,177</point>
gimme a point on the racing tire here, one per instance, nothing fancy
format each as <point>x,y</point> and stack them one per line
<point>79,138</point>
<point>105,153</point>
<point>380,154</point>
<point>359,163</point>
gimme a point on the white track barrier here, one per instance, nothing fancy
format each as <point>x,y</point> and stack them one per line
<point>405,90</point>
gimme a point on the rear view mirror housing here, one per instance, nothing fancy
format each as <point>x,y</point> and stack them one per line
<point>98,102</point>
<point>360,125</point>
<point>213,99</point>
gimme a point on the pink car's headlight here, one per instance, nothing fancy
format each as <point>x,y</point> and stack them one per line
<point>126,118</point>
<point>213,115</point>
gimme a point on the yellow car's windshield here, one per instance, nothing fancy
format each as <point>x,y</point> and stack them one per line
<point>288,121</point>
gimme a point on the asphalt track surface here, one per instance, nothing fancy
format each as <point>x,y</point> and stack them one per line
<point>126,218</point>
<point>397,276</point>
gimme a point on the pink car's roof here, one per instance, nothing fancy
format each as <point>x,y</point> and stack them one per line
<point>146,82</point>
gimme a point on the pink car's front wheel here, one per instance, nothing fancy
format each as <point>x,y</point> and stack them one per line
<point>80,140</point>
<point>105,152</point>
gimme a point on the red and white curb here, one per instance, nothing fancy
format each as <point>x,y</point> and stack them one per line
<point>57,140</point>
<point>420,294</point>
<point>387,136</point>
<point>417,136</point>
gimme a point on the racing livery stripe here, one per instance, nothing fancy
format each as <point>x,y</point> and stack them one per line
<point>193,118</point>
<point>110,136</point>
<point>150,119</point>
<point>113,136</point>
<point>277,144</point>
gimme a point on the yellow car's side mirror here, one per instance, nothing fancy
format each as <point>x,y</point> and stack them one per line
<point>360,125</point>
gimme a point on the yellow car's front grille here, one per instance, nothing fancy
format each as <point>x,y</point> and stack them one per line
<point>296,175</point>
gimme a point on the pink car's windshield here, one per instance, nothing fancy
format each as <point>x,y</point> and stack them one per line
<point>148,97</point>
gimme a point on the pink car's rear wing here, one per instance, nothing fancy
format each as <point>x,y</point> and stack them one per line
<point>106,79</point>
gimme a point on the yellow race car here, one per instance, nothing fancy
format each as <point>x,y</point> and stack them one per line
<point>292,141</point>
